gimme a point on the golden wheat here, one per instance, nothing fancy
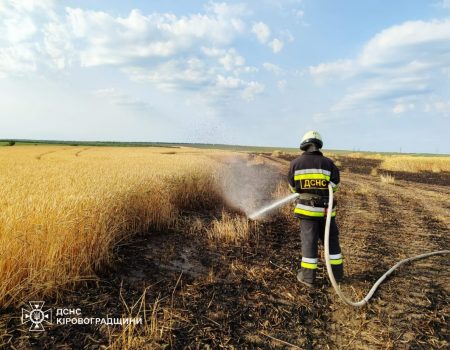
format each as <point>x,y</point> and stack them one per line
<point>229,229</point>
<point>62,209</point>
<point>157,321</point>
<point>416,164</point>
<point>387,179</point>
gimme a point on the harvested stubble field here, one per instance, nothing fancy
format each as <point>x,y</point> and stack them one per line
<point>147,232</point>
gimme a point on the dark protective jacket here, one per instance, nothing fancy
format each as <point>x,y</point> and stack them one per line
<point>310,174</point>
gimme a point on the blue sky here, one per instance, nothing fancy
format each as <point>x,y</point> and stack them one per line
<point>369,75</point>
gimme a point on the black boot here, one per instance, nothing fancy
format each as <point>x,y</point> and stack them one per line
<point>338,272</point>
<point>302,280</point>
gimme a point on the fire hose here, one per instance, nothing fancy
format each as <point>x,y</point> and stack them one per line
<point>336,286</point>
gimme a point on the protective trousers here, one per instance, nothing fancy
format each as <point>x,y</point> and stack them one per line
<point>310,233</point>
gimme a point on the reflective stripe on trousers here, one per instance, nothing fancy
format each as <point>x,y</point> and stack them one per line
<point>336,259</point>
<point>309,263</point>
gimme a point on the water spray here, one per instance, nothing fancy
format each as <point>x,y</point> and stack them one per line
<point>273,206</point>
<point>336,287</point>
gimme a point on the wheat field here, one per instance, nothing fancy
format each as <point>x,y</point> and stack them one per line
<point>205,274</point>
<point>414,164</point>
<point>62,208</point>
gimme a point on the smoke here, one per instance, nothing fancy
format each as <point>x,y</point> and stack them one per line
<point>248,183</point>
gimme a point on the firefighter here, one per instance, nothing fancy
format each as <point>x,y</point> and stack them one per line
<point>309,175</point>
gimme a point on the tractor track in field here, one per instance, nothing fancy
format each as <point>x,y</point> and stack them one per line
<point>78,153</point>
<point>246,296</point>
<point>41,155</point>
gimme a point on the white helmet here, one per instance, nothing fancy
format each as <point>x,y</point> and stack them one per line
<point>311,137</point>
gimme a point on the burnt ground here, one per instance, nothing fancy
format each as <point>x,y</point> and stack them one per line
<point>204,295</point>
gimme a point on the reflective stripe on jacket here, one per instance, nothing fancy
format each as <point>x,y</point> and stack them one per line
<point>311,173</point>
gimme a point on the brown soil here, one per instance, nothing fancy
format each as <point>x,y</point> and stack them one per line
<point>247,296</point>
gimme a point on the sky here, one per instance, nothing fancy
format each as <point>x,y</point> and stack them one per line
<point>369,75</point>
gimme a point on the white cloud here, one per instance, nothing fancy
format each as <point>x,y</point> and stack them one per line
<point>120,98</point>
<point>284,4</point>
<point>173,74</point>
<point>93,38</point>
<point>281,85</point>
<point>412,45</point>
<point>402,108</point>
<point>442,107</point>
<point>276,45</point>
<point>228,82</point>
<point>190,53</point>
<point>339,69</point>
<point>299,16</point>
<point>273,68</point>
<point>18,28</point>
<point>23,13</point>
<point>57,44</point>
<point>405,61</point>
<point>298,13</point>
<point>370,95</point>
<point>262,32</point>
<point>194,74</point>
<point>287,35</point>
<point>212,51</point>
<point>231,60</point>
<point>225,10</point>
<point>250,88</point>
<point>120,40</point>
<point>413,40</point>
<point>18,60</point>
<point>438,105</point>
<point>20,49</point>
<point>253,88</point>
